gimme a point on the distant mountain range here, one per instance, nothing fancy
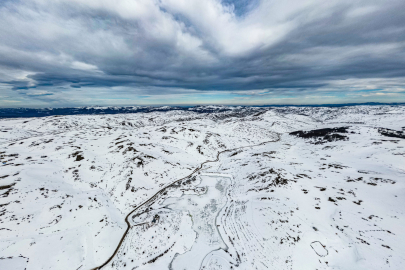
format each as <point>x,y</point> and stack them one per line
<point>42,112</point>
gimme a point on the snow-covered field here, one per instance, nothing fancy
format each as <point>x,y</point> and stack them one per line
<point>236,188</point>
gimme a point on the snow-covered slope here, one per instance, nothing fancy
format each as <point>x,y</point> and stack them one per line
<point>283,188</point>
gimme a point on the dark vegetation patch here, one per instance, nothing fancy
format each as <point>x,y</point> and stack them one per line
<point>392,133</point>
<point>323,135</point>
<point>139,161</point>
<point>373,181</point>
<point>77,155</point>
<point>354,180</point>
<point>169,138</point>
<point>9,188</point>
<point>259,113</point>
<point>265,154</point>
<point>128,185</point>
<point>358,202</point>
<point>269,178</point>
<point>366,172</point>
<point>6,186</point>
<point>363,241</point>
<point>199,150</point>
<point>130,149</point>
<point>55,206</point>
<point>336,166</point>
<point>301,175</point>
<point>382,180</point>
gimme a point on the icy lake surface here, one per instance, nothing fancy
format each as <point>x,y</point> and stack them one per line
<point>204,188</point>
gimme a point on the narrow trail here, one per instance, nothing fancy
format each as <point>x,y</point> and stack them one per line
<point>170,185</point>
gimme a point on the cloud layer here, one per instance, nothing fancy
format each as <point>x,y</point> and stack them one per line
<point>61,52</point>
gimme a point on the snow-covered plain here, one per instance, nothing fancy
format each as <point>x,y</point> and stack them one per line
<point>235,188</point>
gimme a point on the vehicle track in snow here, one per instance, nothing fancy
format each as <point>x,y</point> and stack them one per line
<point>161,191</point>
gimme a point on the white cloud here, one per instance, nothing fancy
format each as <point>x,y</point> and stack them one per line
<point>38,93</point>
<point>83,66</point>
<point>292,47</point>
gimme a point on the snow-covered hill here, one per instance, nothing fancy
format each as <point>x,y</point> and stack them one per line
<point>284,188</point>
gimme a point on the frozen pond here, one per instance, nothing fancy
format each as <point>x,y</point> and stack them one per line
<point>203,210</point>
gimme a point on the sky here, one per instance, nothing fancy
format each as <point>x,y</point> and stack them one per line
<point>64,53</point>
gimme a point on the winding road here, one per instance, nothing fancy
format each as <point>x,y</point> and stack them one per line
<point>161,191</point>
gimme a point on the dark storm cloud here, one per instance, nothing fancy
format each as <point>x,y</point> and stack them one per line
<point>200,45</point>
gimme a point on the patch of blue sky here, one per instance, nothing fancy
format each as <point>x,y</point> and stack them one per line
<point>241,7</point>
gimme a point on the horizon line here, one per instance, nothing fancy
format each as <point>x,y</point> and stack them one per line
<point>226,105</point>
